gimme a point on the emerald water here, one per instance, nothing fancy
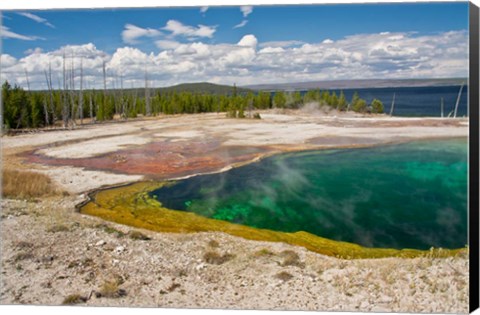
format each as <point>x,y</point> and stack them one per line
<point>411,195</point>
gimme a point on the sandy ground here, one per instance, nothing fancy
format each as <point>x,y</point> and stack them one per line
<point>63,252</point>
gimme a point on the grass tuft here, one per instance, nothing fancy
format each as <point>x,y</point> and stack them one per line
<point>23,256</point>
<point>215,258</point>
<point>284,276</point>
<point>25,184</point>
<point>74,299</point>
<point>264,252</point>
<point>136,235</point>
<point>110,230</point>
<point>213,244</point>
<point>58,228</point>
<point>110,289</point>
<point>290,258</point>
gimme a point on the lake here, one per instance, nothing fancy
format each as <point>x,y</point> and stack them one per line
<point>415,101</point>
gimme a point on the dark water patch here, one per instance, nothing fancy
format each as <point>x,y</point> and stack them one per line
<point>411,195</point>
<point>416,101</point>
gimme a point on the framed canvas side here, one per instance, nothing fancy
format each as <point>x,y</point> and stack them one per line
<point>474,160</point>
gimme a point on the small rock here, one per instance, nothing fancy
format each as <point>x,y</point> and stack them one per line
<point>100,243</point>
<point>119,249</point>
<point>200,267</point>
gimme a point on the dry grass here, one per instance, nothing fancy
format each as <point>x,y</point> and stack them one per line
<point>110,289</point>
<point>136,235</point>
<point>215,258</point>
<point>74,299</point>
<point>25,184</point>
<point>58,228</point>
<point>110,230</point>
<point>264,252</point>
<point>290,258</point>
<point>23,256</point>
<point>213,244</point>
<point>284,276</point>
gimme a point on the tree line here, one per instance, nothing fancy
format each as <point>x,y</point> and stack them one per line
<point>68,107</point>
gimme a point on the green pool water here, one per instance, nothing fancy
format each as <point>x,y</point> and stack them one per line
<point>411,195</point>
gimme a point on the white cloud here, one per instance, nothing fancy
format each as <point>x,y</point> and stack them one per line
<point>246,10</point>
<point>33,51</point>
<point>178,29</point>
<point>285,43</point>
<point>6,33</point>
<point>249,41</point>
<point>36,18</point>
<point>241,24</point>
<point>167,44</point>
<point>131,33</point>
<point>271,50</point>
<point>361,56</point>
<point>7,60</point>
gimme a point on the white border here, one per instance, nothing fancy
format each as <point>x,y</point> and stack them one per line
<point>62,4</point>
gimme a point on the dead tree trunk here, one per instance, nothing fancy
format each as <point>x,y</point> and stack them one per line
<point>458,101</point>
<point>72,92</point>
<point>104,90</point>
<point>148,110</point>
<point>91,104</point>
<point>441,107</point>
<point>52,103</point>
<point>22,110</point>
<point>393,105</point>
<point>80,94</point>
<point>122,100</point>
<point>64,96</point>
<point>45,109</point>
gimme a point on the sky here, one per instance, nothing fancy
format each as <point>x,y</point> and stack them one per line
<point>236,44</point>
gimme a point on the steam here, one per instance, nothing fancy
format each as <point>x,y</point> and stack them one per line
<point>315,108</point>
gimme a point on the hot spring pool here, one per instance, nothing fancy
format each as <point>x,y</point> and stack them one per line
<point>411,195</point>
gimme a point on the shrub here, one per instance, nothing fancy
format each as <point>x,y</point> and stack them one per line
<point>360,106</point>
<point>377,106</point>
<point>257,116</point>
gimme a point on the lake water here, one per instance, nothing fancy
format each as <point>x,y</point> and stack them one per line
<point>415,101</point>
<point>411,195</point>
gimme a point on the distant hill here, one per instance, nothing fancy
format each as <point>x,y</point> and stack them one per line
<point>196,88</point>
<point>204,87</point>
<point>357,84</point>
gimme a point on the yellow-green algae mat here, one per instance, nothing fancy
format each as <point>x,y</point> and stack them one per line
<point>131,205</point>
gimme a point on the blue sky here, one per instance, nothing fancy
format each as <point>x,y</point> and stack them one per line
<point>179,32</point>
<point>269,23</point>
